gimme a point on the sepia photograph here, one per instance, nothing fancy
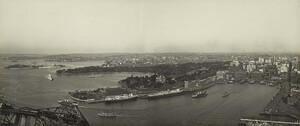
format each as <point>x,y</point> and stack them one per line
<point>149,63</point>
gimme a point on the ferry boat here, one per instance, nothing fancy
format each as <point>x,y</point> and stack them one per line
<point>50,77</point>
<point>107,114</point>
<point>226,94</point>
<point>167,93</point>
<point>200,94</point>
<point>67,102</point>
<point>119,98</point>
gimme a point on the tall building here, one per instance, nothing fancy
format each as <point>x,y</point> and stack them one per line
<point>261,60</point>
<point>251,66</point>
<point>289,74</point>
<point>186,85</point>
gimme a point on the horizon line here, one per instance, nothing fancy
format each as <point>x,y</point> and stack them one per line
<point>150,53</point>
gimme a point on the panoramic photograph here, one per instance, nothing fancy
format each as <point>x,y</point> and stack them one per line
<point>149,62</point>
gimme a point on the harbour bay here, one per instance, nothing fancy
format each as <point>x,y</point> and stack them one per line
<point>33,89</point>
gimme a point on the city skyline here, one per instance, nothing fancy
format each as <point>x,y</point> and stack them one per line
<point>145,26</point>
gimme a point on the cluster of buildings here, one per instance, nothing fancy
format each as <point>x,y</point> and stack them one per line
<point>156,59</point>
<point>161,79</point>
<point>259,70</point>
<point>263,70</point>
<point>148,60</point>
<point>70,58</point>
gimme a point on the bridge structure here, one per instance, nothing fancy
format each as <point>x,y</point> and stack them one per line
<point>277,112</point>
<point>261,122</point>
<point>65,115</point>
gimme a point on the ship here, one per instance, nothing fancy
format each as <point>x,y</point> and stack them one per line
<point>120,98</point>
<point>226,94</point>
<point>109,99</point>
<point>50,77</point>
<point>90,101</point>
<point>163,94</point>
<point>67,102</point>
<point>200,94</point>
<point>107,114</point>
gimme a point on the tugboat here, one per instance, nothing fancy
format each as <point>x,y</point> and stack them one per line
<point>107,114</point>
<point>50,77</point>
<point>200,94</point>
<point>67,102</point>
<point>226,94</point>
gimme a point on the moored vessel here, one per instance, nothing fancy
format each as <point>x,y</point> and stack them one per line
<point>163,94</point>
<point>120,98</point>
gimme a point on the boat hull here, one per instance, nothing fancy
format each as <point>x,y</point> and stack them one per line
<point>120,100</point>
<point>225,95</point>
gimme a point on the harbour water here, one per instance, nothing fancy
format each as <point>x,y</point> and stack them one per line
<point>30,87</point>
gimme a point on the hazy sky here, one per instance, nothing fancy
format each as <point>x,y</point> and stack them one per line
<point>97,26</point>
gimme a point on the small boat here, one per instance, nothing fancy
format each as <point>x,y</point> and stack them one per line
<point>200,94</point>
<point>50,77</point>
<point>67,102</point>
<point>226,94</point>
<point>107,114</point>
<point>94,76</point>
<point>272,85</point>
